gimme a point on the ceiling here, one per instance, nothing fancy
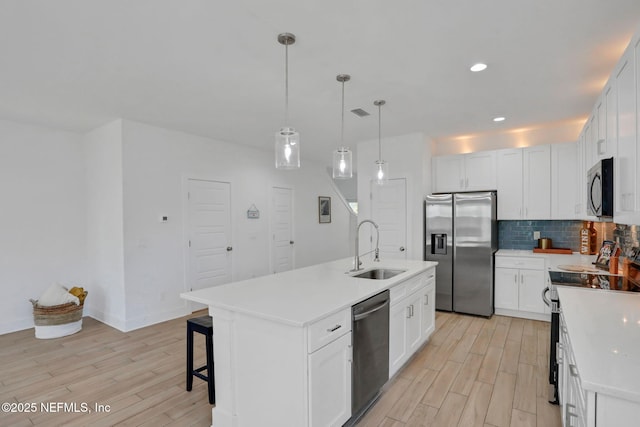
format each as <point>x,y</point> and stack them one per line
<point>215,68</point>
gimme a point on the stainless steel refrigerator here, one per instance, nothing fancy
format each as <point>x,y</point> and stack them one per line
<point>461,233</point>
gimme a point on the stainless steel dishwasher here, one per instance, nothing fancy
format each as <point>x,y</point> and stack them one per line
<point>370,370</point>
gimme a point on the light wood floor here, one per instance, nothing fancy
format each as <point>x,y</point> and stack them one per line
<point>140,374</point>
<point>472,372</point>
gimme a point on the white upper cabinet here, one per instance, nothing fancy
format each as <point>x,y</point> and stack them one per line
<point>509,177</point>
<point>464,172</point>
<point>480,169</point>
<point>524,183</point>
<point>537,182</point>
<point>611,123</point>
<point>580,179</point>
<point>625,161</point>
<point>564,180</point>
<point>612,130</point>
<point>448,173</point>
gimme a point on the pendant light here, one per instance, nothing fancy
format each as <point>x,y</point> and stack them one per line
<point>381,168</point>
<point>342,157</point>
<point>287,139</point>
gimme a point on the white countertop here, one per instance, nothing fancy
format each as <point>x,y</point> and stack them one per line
<point>604,330</point>
<point>302,296</point>
<point>554,260</point>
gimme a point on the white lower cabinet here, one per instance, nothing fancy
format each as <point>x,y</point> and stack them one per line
<point>273,373</point>
<point>573,403</point>
<point>519,283</point>
<point>585,408</point>
<point>411,318</point>
<point>428,308</point>
<point>330,383</point>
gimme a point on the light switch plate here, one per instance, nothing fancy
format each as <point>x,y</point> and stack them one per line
<point>536,235</point>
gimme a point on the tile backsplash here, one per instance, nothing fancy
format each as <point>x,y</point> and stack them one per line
<point>564,234</point>
<point>519,234</point>
<point>626,236</point>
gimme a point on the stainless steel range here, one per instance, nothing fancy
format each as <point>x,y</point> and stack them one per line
<point>591,281</point>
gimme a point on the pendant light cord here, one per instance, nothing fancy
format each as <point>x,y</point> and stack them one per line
<point>379,132</point>
<point>342,129</point>
<point>286,83</point>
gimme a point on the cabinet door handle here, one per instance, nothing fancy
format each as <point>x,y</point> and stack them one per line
<point>426,299</point>
<point>335,328</point>
<point>573,370</point>
<point>521,278</point>
<point>515,278</point>
<point>408,312</point>
<point>570,414</point>
<point>229,248</point>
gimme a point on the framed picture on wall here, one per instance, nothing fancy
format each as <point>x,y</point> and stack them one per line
<point>324,209</point>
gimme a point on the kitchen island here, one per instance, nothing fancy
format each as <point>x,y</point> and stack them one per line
<point>282,342</point>
<point>599,374</point>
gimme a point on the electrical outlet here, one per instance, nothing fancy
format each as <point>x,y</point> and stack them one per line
<point>536,235</point>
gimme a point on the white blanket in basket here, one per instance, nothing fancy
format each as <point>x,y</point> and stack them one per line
<point>56,294</point>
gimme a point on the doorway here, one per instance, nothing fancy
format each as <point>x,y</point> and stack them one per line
<point>282,244</point>
<point>389,211</point>
<point>208,229</point>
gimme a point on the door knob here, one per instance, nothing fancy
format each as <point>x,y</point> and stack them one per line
<point>229,248</point>
<point>401,248</point>
<point>291,242</point>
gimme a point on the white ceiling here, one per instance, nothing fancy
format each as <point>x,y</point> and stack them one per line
<point>215,68</point>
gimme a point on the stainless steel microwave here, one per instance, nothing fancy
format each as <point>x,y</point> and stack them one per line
<point>600,189</point>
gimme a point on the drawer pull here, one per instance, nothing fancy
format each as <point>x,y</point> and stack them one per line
<point>573,370</point>
<point>426,299</point>
<point>335,328</point>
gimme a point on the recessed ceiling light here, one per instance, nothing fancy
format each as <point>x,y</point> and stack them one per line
<point>478,67</point>
<point>498,119</point>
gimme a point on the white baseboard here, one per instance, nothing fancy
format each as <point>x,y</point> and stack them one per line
<point>523,314</point>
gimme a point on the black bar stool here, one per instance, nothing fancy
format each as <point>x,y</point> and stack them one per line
<point>202,325</point>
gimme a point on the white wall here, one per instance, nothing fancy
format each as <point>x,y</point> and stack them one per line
<point>156,164</point>
<point>409,157</point>
<point>42,217</point>
<point>105,230</point>
<point>551,133</point>
<point>83,209</point>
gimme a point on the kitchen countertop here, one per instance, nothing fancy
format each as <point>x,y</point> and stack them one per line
<point>554,260</point>
<point>607,344</point>
<point>302,296</point>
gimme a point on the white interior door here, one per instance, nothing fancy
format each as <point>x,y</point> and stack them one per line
<point>389,211</point>
<point>209,233</point>
<point>282,243</point>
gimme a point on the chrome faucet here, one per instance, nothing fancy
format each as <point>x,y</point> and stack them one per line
<point>356,260</point>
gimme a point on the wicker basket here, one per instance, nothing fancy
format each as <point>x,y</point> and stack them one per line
<point>57,314</point>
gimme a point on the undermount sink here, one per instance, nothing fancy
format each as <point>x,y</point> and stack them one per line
<point>378,274</point>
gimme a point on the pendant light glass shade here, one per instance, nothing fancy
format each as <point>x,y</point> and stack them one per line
<point>342,163</point>
<point>287,142</point>
<point>342,157</point>
<point>381,172</point>
<point>287,149</point>
<point>380,167</point>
